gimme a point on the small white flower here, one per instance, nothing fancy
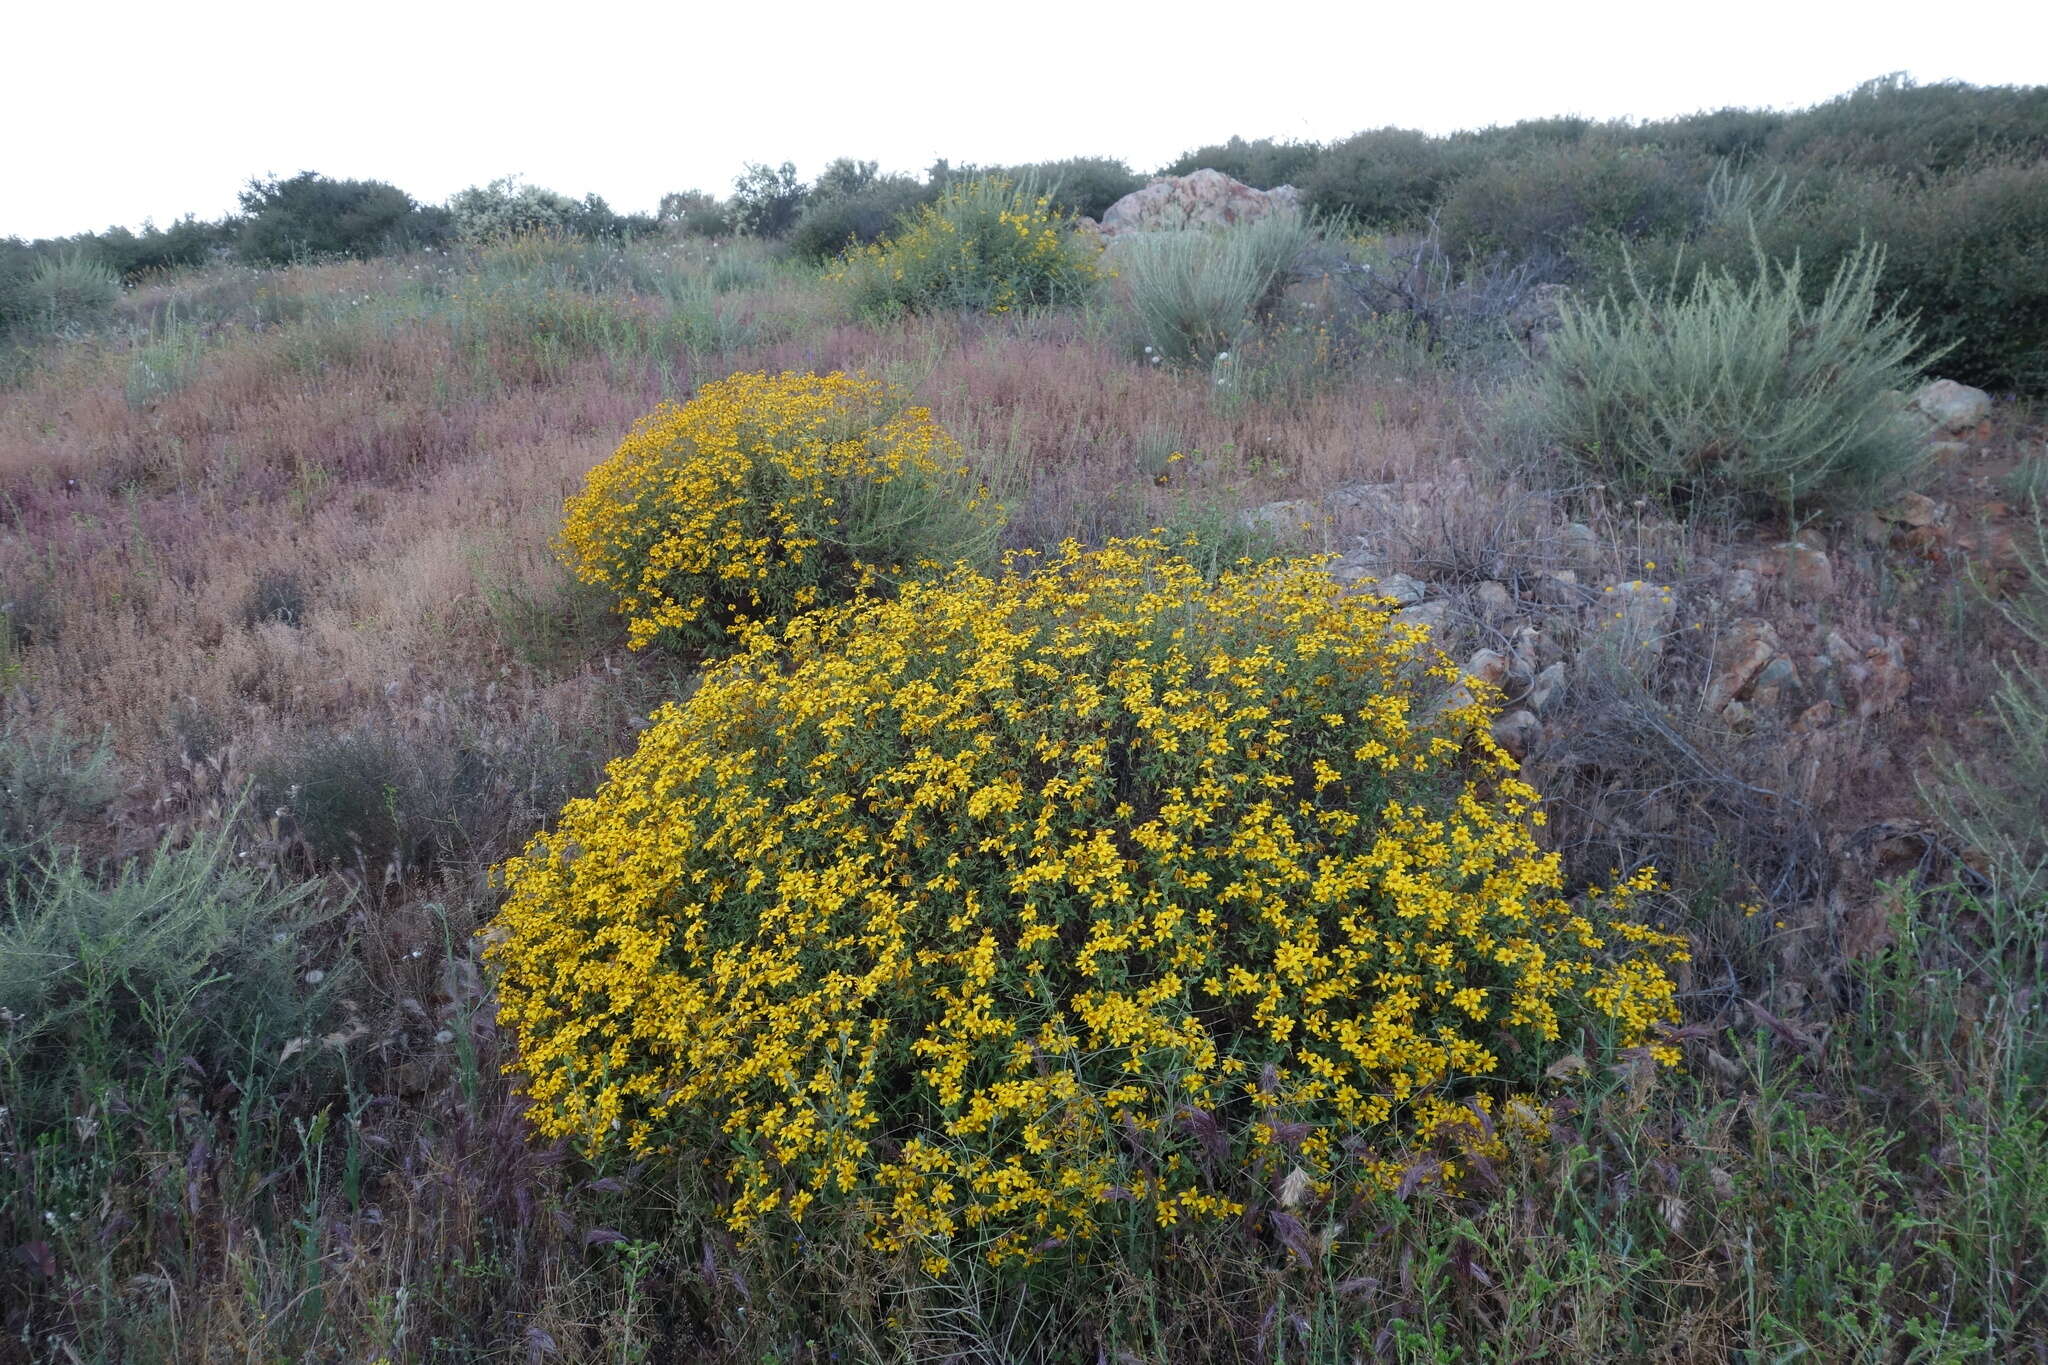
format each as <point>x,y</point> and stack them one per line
<point>445,1036</point>
<point>315,977</point>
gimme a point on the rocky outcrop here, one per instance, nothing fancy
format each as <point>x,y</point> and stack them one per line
<point>1200,199</point>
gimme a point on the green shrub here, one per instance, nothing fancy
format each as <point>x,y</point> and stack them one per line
<point>1082,185</point>
<point>1543,209</point>
<point>69,291</point>
<point>187,242</point>
<point>50,781</point>
<point>987,245</point>
<point>695,214</point>
<point>855,218</point>
<point>505,209</point>
<point>1968,252</point>
<point>310,216</point>
<point>766,201</point>
<point>1738,134</point>
<point>1262,164</point>
<point>181,960</point>
<point>1893,125</point>
<point>1195,292</point>
<point>1386,178</point>
<point>1734,395</point>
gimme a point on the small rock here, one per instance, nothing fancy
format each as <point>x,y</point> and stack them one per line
<point>1948,450</point>
<point>1518,732</point>
<point>1282,518</point>
<point>1430,614</point>
<point>1774,683</point>
<point>1738,718</point>
<point>1952,408</point>
<point>1632,621</point>
<point>1351,568</point>
<point>1806,573</point>
<point>1914,509</point>
<point>1560,589</point>
<point>1742,651</point>
<point>1404,591</point>
<point>1872,669</point>
<point>1531,651</point>
<point>1815,717</point>
<point>1490,666</point>
<point>1548,689</point>
<point>1494,601</point>
<point>1741,589</point>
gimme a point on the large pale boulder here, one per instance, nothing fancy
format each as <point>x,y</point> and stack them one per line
<point>1199,199</point>
<point>1952,409</point>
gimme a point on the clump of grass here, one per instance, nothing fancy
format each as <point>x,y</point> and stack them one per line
<point>1734,396</point>
<point>277,595</point>
<point>1195,293</point>
<point>1996,808</point>
<point>71,291</point>
<point>49,780</point>
<point>187,954</point>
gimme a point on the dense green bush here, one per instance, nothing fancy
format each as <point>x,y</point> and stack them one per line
<point>187,242</point>
<point>1740,134</point>
<point>1386,178</point>
<point>1545,208</point>
<point>766,201</point>
<point>829,224</point>
<point>1085,185</point>
<point>1967,252</point>
<point>1736,396</point>
<point>1262,164</point>
<point>1893,125</point>
<point>695,213</point>
<point>309,215</point>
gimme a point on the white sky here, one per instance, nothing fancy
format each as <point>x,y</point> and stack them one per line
<point>113,112</point>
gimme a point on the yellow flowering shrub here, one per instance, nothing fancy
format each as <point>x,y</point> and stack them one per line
<point>1013,907</point>
<point>762,497</point>
<point>986,245</point>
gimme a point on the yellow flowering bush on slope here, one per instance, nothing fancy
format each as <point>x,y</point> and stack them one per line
<point>764,496</point>
<point>986,245</point>
<point>1013,906</point>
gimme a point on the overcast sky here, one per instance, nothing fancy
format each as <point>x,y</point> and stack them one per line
<point>114,112</point>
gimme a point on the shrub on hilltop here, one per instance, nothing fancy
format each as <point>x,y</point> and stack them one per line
<point>987,245</point>
<point>309,215</point>
<point>763,497</point>
<point>1011,910</point>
